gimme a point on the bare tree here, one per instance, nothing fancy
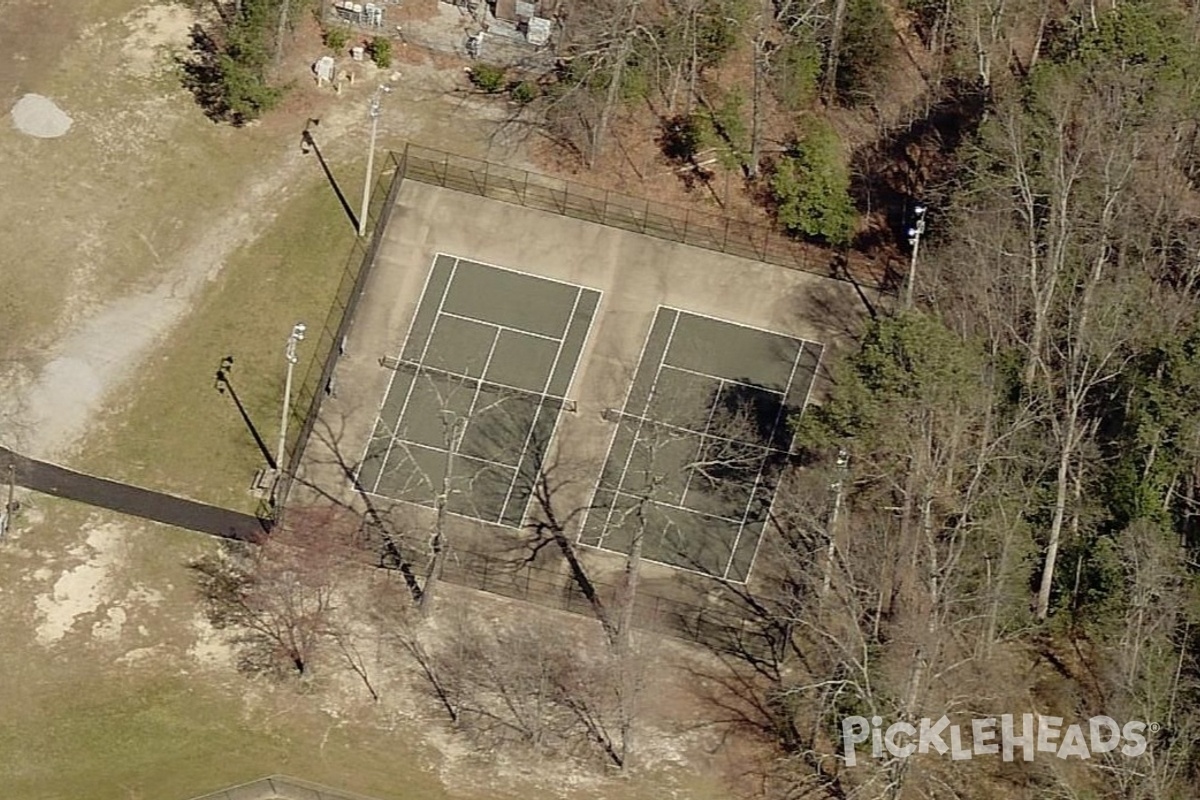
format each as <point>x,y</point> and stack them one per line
<point>279,598</point>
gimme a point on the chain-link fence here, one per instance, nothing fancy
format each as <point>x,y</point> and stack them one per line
<point>727,621</point>
<point>329,346</point>
<point>640,215</point>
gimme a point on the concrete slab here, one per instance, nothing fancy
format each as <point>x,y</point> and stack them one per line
<point>636,274</point>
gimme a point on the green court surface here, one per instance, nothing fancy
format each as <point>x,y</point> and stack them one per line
<point>477,390</point>
<point>693,464</point>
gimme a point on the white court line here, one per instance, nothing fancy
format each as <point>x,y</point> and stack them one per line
<point>741,325</point>
<point>407,335</point>
<point>617,428</point>
<point>758,478</point>
<point>411,386</point>
<point>526,274</point>
<point>457,514</point>
<point>771,505</point>
<point>518,271</point>
<point>452,454</point>
<point>408,447</point>
<point>695,432</point>
<point>712,412</point>
<point>678,507</point>
<point>418,366</point>
<point>538,411</point>
<point>480,383</point>
<point>726,380</point>
<point>518,331</point>
<point>638,431</point>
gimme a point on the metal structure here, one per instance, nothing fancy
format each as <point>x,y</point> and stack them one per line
<point>295,338</point>
<point>914,241</point>
<point>702,229</point>
<point>373,110</point>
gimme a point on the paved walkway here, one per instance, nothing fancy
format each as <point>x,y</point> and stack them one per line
<point>41,476</point>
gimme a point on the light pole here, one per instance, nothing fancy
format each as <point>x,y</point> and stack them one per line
<point>837,487</point>
<point>297,336</point>
<point>376,98</point>
<point>914,241</point>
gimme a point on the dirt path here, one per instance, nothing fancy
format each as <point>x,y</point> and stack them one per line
<point>48,414</point>
<point>96,343</point>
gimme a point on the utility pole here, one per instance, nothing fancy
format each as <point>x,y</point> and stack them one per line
<point>290,354</point>
<point>837,487</point>
<point>376,99</point>
<point>914,241</point>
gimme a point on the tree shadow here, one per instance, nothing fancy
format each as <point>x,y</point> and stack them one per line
<point>912,164</point>
<point>203,76</point>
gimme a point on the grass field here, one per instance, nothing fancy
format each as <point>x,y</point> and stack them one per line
<point>176,432</point>
<point>103,208</point>
<point>153,708</point>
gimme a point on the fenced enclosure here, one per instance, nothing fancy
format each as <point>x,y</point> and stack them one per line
<point>734,624</point>
<point>318,380</point>
<point>702,229</point>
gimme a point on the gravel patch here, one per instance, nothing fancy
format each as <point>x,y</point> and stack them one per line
<point>38,116</point>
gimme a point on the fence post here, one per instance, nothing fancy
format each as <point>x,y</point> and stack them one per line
<point>525,190</point>
<point>487,165</point>
<point>766,243</point>
<point>725,237</point>
<point>687,218</point>
<point>646,216</point>
<point>604,208</point>
<point>445,167</point>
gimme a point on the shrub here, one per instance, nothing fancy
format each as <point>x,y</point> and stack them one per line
<point>526,92</point>
<point>684,136</point>
<point>797,73</point>
<point>811,189</point>
<point>380,51</point>
<point>336,38</point>
<point>488,78</point>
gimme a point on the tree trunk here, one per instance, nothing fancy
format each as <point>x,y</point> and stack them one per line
<point>752,168</point>
<point>616,76</point>
<point>1056,525</point>
<point>835,43</point>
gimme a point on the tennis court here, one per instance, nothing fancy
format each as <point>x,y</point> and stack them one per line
<point>477,389</point>
<point>693,463</point>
